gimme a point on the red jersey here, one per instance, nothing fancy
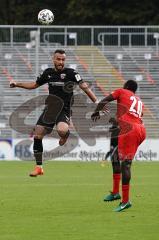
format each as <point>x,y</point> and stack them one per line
<point>129,106</point>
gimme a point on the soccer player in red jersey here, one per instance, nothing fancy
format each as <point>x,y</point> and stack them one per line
<point>132,134</point>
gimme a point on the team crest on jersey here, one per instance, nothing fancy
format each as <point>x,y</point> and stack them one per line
<point>63,75</point>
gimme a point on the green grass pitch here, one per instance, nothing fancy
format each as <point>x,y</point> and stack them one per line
<point>67,203</point>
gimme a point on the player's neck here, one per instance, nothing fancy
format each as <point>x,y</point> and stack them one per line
<point>58,70</point>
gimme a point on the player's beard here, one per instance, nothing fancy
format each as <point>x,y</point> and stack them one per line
<point>59,67</point>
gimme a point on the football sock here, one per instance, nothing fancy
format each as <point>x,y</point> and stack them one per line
<point>38,158</point>
<point>38,151</point>
<point>125,193</point>
<point>116,182</point>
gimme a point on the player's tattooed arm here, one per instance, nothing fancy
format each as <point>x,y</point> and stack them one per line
<point>84,86</point>
<point>25,85</point>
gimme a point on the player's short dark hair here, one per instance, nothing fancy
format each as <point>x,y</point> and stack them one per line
<point>61,51</point>
<point>131,85</point>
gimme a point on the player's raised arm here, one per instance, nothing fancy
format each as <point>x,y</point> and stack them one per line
<point>103,102</point>
<point>84,86</point>
<point>96,115</point>
<point>25,85</point>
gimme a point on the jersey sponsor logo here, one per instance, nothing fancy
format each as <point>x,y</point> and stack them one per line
<point>63,75</point>
<point>123,206</point>
<point>56,83</point>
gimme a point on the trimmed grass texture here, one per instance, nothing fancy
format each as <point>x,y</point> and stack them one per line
<point>67,202</point>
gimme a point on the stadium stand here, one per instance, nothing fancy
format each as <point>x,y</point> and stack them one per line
<point>111,66</point>
<point>19,63</point>
<point>105,68</point>
<point>141,64</point>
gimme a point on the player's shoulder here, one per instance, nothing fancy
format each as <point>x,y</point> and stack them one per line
<point>118,90</point>
<point>48,70</point>
<point>137,97</point>
<point>70,70</point>
<point>73,75</point>
<point>127,92</point>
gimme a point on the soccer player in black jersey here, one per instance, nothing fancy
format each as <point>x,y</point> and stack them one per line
<point>61,82</point>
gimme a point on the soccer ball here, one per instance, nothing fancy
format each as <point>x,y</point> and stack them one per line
<point>45,17</point>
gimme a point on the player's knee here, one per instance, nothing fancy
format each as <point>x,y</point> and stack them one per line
<point>39,132</point>
<point>127,164</point>
<point>116,167</point>
<point>62,129</point>
<point>63,133</point>
<point>38,136</point>
<point>126,171</point>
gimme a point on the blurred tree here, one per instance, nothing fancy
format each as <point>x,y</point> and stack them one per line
<point>83,12</point>
<point>113,12</point>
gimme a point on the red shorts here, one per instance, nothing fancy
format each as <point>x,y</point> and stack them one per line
<point>129,142</point>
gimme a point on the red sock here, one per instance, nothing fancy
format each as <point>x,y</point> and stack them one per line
<point>125,193</point>
<point>116,183</point>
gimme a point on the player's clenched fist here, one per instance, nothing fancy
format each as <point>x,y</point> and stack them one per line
<point>12,84</point>
<point>95,116</point>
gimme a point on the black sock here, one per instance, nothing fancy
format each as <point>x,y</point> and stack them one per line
<point>38,150</point>
<point>38,158</point>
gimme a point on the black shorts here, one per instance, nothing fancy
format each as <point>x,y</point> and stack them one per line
<point>49,119</point>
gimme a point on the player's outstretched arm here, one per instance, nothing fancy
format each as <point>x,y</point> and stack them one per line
<point>101,106</point>
<point>103,102</point>
<point>84,86</point>
<point>25,85</point>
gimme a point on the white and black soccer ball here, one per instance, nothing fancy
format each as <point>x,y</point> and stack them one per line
<point>45,17</point>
